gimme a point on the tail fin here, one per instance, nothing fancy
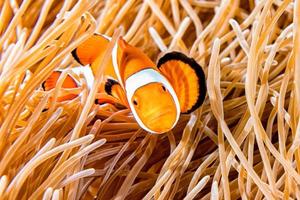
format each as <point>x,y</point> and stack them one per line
<point>69,82</point>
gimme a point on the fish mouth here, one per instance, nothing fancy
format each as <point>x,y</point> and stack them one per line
<point>155,117</point>
<point>162,122</point>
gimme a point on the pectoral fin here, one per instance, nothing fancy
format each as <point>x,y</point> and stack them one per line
<point>187,78</point>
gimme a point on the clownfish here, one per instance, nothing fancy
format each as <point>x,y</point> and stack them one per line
<point>156,94</point>
<point>69,82</point>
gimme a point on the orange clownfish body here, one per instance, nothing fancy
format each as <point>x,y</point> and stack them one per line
<point>156,94</point>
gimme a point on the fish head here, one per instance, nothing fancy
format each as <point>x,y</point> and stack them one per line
<point>155,107</point>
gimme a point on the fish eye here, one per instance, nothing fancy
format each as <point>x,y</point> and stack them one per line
<point>135,102</point>
<point>164,88</point>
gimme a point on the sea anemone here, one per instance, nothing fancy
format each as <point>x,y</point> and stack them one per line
<point>242,143</point>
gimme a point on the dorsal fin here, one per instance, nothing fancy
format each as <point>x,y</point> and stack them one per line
<point>90,49</point>
<point>128,60</point>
